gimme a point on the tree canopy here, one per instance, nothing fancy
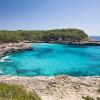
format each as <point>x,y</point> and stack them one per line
<point>43,35</point>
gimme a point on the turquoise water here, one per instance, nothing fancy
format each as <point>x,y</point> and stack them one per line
<point>54,59</point>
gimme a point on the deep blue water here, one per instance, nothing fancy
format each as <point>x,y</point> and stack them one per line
<point>54,59</point>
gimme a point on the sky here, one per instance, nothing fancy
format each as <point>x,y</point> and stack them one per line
<point>50,14</point>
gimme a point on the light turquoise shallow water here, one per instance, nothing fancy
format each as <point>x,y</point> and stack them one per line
<point>54,59</point>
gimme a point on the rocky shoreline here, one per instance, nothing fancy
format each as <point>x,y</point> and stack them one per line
<point>92,43</point>
<point>82,43</point>
<point>58,87</point>
<point>21,46</point>
<point>14,47</point>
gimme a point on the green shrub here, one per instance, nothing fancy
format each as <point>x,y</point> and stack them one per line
<point>14,92</point>
<point>88,98</point>
<point>46,36</point>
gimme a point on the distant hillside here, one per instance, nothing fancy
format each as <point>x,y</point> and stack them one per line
<point>56,35</point>
<point>96,38</point>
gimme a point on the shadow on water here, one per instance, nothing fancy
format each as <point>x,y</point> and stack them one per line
<point>76,46</point>
<point>8,64</point>
<point>36,71</point>
<point>85,71</point>
<point>8,67</point>
<point>75,73</point>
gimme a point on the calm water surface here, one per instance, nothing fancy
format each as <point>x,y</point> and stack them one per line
<point>54,59</point>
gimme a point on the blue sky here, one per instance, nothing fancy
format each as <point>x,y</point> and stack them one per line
<point>50,14</point>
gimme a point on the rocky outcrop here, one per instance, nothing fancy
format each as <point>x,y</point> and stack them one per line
<point>14,47</point>
<point>58,87</point>
<point>91,43</point>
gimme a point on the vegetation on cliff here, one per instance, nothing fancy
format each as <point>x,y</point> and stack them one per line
<point>56,35</point>
<point>14,92</point>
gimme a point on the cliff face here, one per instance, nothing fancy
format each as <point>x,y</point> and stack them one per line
<point>13,47</point>
<point>58,87</point>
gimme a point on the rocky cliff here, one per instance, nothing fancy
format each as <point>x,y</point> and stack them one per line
<point>58,87</point>
<point>13,47</point>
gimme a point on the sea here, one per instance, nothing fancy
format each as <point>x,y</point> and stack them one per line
<point>53,59</point>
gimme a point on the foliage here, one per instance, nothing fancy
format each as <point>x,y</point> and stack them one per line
<point>14,92</point>
<point>46,36</point>
<point>88,98</point>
